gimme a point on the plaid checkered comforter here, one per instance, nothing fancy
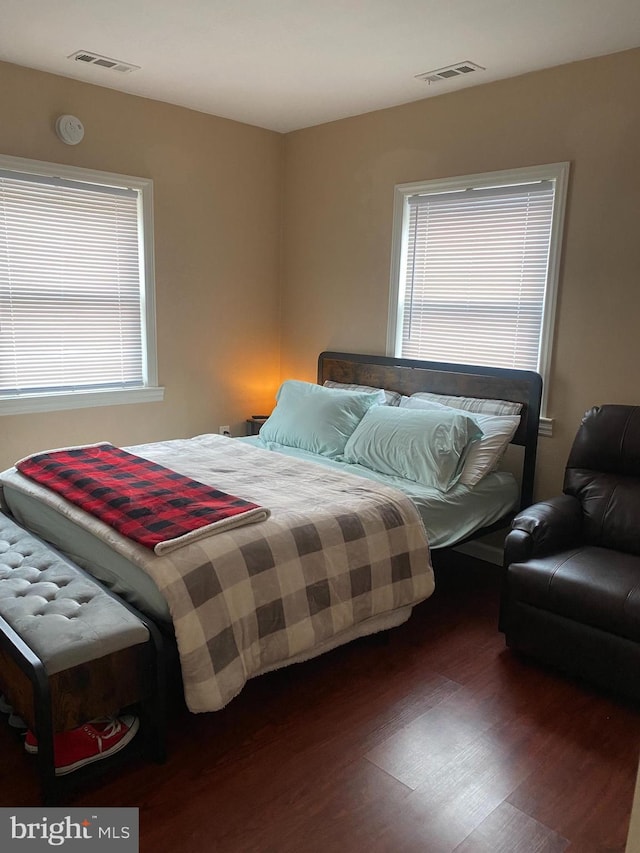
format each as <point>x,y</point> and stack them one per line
<point>336,551</point>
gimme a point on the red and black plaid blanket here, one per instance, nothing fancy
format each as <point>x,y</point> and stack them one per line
<point>146,502</point>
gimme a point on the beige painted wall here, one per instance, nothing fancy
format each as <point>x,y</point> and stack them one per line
<point>339,181</point>
<point>217,189</point>
<point>219,186</point>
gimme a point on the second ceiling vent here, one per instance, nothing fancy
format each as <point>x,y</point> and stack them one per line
<point>460,69</point>
<point>90,58</point>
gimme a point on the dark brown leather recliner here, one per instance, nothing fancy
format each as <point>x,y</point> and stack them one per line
<point>571,593</point>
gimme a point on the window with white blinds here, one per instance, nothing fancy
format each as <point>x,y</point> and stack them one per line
<point>475,268</point>
<point>75,287</point>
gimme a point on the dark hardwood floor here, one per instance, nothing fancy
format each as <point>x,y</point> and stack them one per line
<point>433,738</point>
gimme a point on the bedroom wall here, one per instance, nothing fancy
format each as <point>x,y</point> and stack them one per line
<point>217,191</point>
<point>338,198</point>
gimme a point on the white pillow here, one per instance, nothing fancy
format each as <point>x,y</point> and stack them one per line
<point>484,455</point>
<point>392,398</point>
<point>426,447</point>
<point>470,404</point>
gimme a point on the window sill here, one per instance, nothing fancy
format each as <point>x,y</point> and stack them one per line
<point>82,400</point>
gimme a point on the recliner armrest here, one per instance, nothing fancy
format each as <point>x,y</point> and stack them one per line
<point>544,528</point>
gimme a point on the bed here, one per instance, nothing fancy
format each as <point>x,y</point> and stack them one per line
<point>358,558</point>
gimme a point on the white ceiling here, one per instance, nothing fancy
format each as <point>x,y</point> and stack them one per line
<point>287,64</point>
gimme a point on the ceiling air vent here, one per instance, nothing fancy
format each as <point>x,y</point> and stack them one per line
<point>102,61</point>
<point>460,69</point>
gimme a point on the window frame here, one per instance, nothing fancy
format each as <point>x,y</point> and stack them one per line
<point>556,172</point>
<point>50,401</point>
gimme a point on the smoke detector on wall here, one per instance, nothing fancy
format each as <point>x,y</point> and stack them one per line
<point>459,69</point>
<point>91,58</point>
<point>69,129</point>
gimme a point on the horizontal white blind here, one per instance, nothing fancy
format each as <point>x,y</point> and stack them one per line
<point>476,274</point>
<point>70,286</point>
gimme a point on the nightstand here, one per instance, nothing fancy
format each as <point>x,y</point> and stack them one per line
<point>254,424</point>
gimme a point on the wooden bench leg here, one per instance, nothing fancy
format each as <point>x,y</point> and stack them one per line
<point>44,734</point>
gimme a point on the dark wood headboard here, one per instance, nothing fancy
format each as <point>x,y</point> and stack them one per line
<point>462,380</point>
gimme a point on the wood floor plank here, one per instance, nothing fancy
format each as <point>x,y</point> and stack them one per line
<point>585,789</point>
<point>354,804</point>
<point>418,751</point>
<point>465,779</point>
<point>508,830</point>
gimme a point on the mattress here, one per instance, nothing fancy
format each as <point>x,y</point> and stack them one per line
<point>448,518</point>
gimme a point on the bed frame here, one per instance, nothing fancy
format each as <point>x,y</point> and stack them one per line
<point>408,376</point>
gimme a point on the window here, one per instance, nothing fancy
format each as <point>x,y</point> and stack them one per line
<point>475,268</point>
<point>77,317</point>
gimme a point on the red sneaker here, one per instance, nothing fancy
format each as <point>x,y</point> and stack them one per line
<point>91,742</point>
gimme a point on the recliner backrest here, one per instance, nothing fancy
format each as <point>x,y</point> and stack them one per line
<point>603,472</point>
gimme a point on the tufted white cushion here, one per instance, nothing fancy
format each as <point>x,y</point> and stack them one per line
<point>58,610</point>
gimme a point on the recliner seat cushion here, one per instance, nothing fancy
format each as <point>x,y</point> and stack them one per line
<point>591,585</point>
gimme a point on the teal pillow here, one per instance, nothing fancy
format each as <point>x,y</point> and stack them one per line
<point>425,446</point>
<point>315,418</point>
